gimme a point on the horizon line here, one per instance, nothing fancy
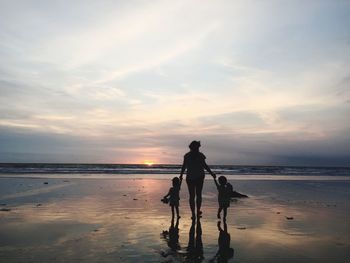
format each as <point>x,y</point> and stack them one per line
<point>179,164</point>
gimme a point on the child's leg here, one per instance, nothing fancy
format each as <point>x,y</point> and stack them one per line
<point>172,211</point>
<point>219,211</point>
<point>177,211</point>
<point>225,212</point>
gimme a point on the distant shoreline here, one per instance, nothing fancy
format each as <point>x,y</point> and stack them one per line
<point>68,176</point>
<point>157,171</point>
<point>173,164</point>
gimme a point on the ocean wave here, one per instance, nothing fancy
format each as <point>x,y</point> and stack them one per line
<point>15,168</point>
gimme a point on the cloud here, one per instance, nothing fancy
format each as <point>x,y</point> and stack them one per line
<point>258,82</point>
<point>154,62</point>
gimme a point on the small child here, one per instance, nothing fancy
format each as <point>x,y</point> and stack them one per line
<point>224,189</point>
<point>173,196</point>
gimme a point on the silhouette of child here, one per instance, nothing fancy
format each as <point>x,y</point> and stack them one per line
<point>173,196</point>
<point>224,190</point>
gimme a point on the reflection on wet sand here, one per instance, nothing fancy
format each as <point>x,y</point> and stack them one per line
<point>194,252</point>
<point>225,252</point>
<point>195,243</point>
<point>120,221</point>
<point>172,237</point>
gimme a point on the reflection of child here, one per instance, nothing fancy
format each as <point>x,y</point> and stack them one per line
<point>225,252</point>
<point>224,190</point>
<point>173,196</point>
<point>172,238</point>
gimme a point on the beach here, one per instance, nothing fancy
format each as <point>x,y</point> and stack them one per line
<point>104,102</point>
<point>123,220</point>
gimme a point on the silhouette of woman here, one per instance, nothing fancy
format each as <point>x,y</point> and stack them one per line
<point>194,162</point>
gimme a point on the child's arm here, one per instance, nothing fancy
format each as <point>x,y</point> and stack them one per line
<point>183,168</point>
<point>168,194</point>
<point>216,183</point>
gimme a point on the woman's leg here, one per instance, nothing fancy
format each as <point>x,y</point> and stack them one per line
<point>191,191</point>
<point>172,212</point>
<point>199,187</point>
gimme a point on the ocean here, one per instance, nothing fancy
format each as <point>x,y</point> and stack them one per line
<point>166,170</point>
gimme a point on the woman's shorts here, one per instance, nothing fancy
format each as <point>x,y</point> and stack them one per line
<point>195,183</point>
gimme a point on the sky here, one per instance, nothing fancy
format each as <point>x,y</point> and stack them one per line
<point>257,82</point>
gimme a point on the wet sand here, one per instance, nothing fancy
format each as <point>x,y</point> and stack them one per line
<point>123,220</point>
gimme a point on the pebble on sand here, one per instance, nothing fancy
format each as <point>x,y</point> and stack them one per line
<point>289,217</point>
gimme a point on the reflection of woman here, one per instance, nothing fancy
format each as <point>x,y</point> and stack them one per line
<point>195,244</point>
<point>194,162</point>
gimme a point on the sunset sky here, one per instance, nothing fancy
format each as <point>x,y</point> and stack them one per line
<point>258,82</point>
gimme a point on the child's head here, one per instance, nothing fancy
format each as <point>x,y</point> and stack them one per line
<point>176,181</point>
<point>222,180</point>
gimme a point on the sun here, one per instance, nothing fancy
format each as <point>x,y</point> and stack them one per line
<point>148,163</point>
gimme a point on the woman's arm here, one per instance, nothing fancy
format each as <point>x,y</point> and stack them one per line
<point>208,169</point>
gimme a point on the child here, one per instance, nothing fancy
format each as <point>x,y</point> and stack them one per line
<point>174,196</point>
<point>224,190</point>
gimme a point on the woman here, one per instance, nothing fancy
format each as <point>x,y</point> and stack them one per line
<point>194,162</point>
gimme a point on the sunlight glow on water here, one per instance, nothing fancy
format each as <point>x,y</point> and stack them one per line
<point>124,220</point>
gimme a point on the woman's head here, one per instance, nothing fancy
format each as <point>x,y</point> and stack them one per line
<point>194,145</point>
<point>222,180</point>
<point>176,181</point>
